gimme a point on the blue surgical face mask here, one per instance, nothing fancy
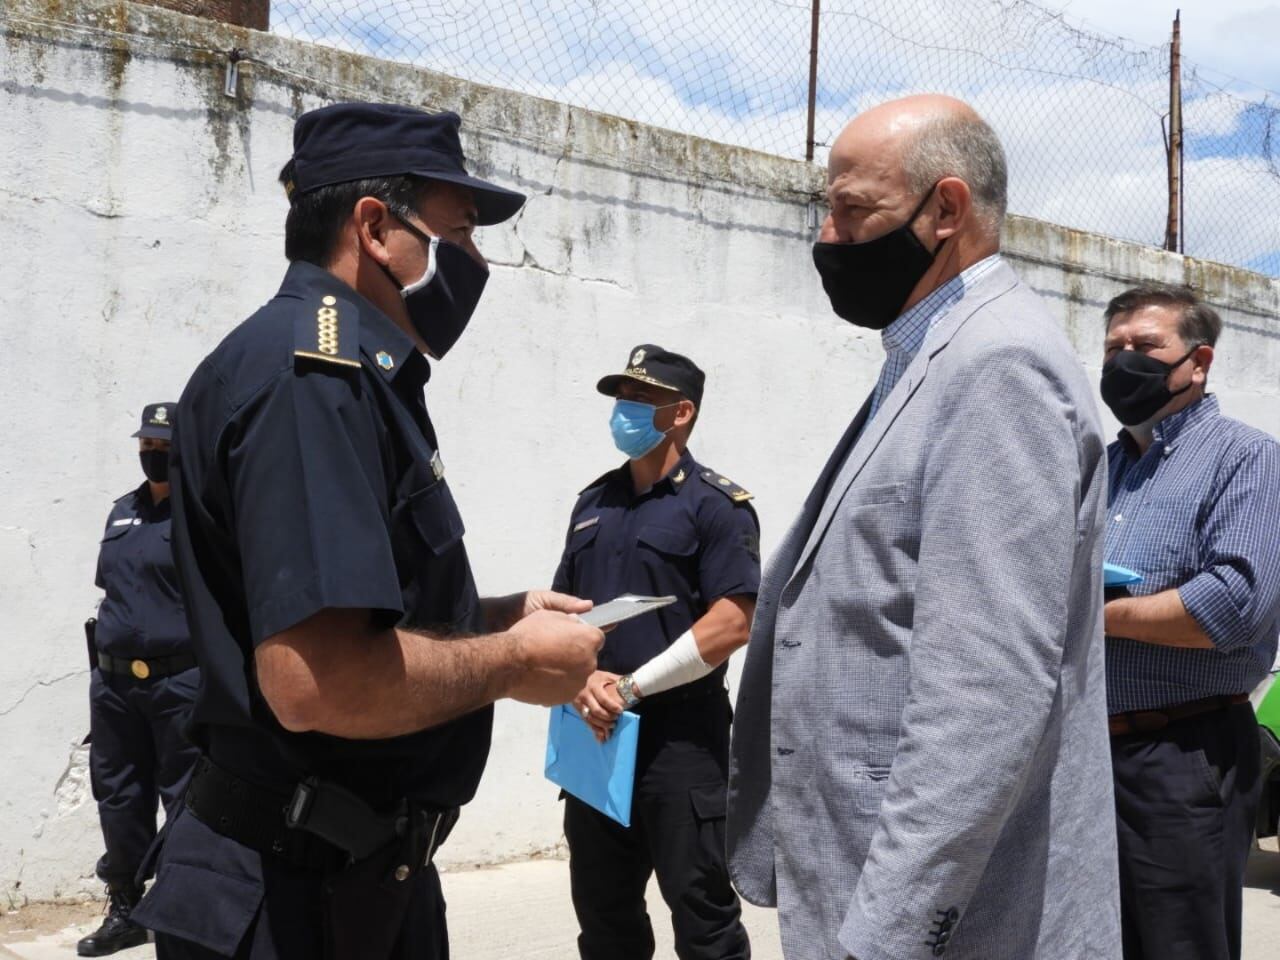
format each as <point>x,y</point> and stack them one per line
<point>633,430</point>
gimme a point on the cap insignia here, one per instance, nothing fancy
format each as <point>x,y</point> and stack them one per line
<point>637,358</point>
<point>161,415</point>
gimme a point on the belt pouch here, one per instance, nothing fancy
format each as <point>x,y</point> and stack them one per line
<point>366,901</point>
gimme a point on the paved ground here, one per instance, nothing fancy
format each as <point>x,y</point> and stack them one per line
<point>522,912</point>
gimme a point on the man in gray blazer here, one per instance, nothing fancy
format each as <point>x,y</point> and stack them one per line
<point>920,755</point>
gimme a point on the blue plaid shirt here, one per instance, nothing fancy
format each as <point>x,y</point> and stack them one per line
<point>1199,511</point>
<point>904,337</point>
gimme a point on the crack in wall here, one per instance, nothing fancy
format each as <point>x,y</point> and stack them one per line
<point>36,686</point>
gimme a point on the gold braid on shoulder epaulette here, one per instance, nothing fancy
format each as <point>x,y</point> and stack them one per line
<point>726,486</point>
<point>325,339</point>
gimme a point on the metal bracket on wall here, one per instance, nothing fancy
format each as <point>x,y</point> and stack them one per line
<point>232,80</point>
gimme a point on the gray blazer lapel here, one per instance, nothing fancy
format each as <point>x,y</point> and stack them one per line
<point>998,282</point>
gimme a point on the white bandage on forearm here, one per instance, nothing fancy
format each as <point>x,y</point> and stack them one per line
<point>675,666</point>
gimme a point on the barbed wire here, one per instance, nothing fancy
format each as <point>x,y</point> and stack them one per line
<point>1082,114</point>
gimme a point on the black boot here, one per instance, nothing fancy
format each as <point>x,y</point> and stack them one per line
<point>117,932</point>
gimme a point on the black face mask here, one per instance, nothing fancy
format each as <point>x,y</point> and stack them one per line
<point>869,282</point>
<point>441,301</point>
<point>155,465</point>
<point>1136,386</point>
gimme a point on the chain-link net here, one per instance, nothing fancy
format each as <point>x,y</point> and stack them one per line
<point>1083,116</point>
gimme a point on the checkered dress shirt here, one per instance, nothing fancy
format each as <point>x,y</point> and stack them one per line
<point>1200,512</point>
<point>904,337</point>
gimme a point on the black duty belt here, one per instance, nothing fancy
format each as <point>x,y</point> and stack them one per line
<point>319,826</point>
<point>150,668</point>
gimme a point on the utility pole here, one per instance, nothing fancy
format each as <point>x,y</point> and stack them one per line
<point>813,77</point>
<point>1174,226</point>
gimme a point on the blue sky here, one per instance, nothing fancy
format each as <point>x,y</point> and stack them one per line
<point>1080,113</point>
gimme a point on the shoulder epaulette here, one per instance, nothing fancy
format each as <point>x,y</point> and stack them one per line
<point>329,334</point>
<point>725,486</point>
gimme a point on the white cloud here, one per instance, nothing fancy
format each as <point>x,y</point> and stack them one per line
<point>1080,114</point>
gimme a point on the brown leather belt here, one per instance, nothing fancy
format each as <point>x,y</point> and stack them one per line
<point>1150,721</point>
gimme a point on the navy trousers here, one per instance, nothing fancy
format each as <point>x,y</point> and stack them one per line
<point>677,832</point>
<point>215,899</point>
<point>138,757</point>
<point>1186,800</point>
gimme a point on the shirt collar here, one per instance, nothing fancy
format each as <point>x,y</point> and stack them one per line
<point>386,347</point>
<point>907,333</point>
<point>675,479</point>
<point>681,473</point>
<point>1167,432</point>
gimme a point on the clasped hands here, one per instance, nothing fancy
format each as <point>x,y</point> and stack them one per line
<point>600,704</point>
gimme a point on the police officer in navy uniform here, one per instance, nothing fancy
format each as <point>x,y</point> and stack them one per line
<point>349,665</point>
<point>143,678</point>
<point>661,524</point>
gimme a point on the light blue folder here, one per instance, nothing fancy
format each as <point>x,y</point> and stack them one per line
<point>599,774</point>
<point>1117,576</point>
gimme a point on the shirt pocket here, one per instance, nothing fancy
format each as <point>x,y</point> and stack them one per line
<point>580,540</point>
<point>114,533</point>
<point>436,517</point>
<point>1165,547</point>
<point>664,540</point>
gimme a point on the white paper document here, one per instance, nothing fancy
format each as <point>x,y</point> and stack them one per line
<point>622,608</point>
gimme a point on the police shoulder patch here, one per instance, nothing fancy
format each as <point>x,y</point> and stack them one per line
<point>725,486</point>
<point>328,330</point>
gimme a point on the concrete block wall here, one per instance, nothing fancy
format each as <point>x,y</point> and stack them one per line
<point>143,220</point>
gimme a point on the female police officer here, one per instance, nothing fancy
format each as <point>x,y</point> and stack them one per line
<point>142,686</point>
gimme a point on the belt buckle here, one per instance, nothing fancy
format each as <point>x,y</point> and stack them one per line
<point>140,669</point>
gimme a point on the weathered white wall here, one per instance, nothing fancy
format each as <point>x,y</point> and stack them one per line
<point>141,220</point>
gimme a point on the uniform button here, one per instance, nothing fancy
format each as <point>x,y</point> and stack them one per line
<point>953,915</point>
<point>939,950</point>
<point>1119,518</point>
<point>944,936</point>
<point>402,872</point>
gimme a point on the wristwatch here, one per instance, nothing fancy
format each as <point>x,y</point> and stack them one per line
<point>627,691</point>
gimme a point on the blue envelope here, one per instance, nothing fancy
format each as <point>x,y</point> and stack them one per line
<point>601,775</point>
<point>1117,576</point>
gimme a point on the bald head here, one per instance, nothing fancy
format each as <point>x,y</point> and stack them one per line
<point>908,145</point>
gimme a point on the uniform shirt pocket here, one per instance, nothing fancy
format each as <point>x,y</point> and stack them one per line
<point>436,517</point>
<point>582,538</point>
<point>678,543</point>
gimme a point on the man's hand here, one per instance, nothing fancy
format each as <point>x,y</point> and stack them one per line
<point>503,613</point>
<point>598,703</point>
<point>556,653</point>
<point>536,600</point>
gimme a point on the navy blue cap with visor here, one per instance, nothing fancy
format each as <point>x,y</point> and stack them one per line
<point>650,363</point>
<point>358,141</point>
<point>157,420</point>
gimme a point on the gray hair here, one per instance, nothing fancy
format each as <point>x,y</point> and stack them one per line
<point>961,146</point>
